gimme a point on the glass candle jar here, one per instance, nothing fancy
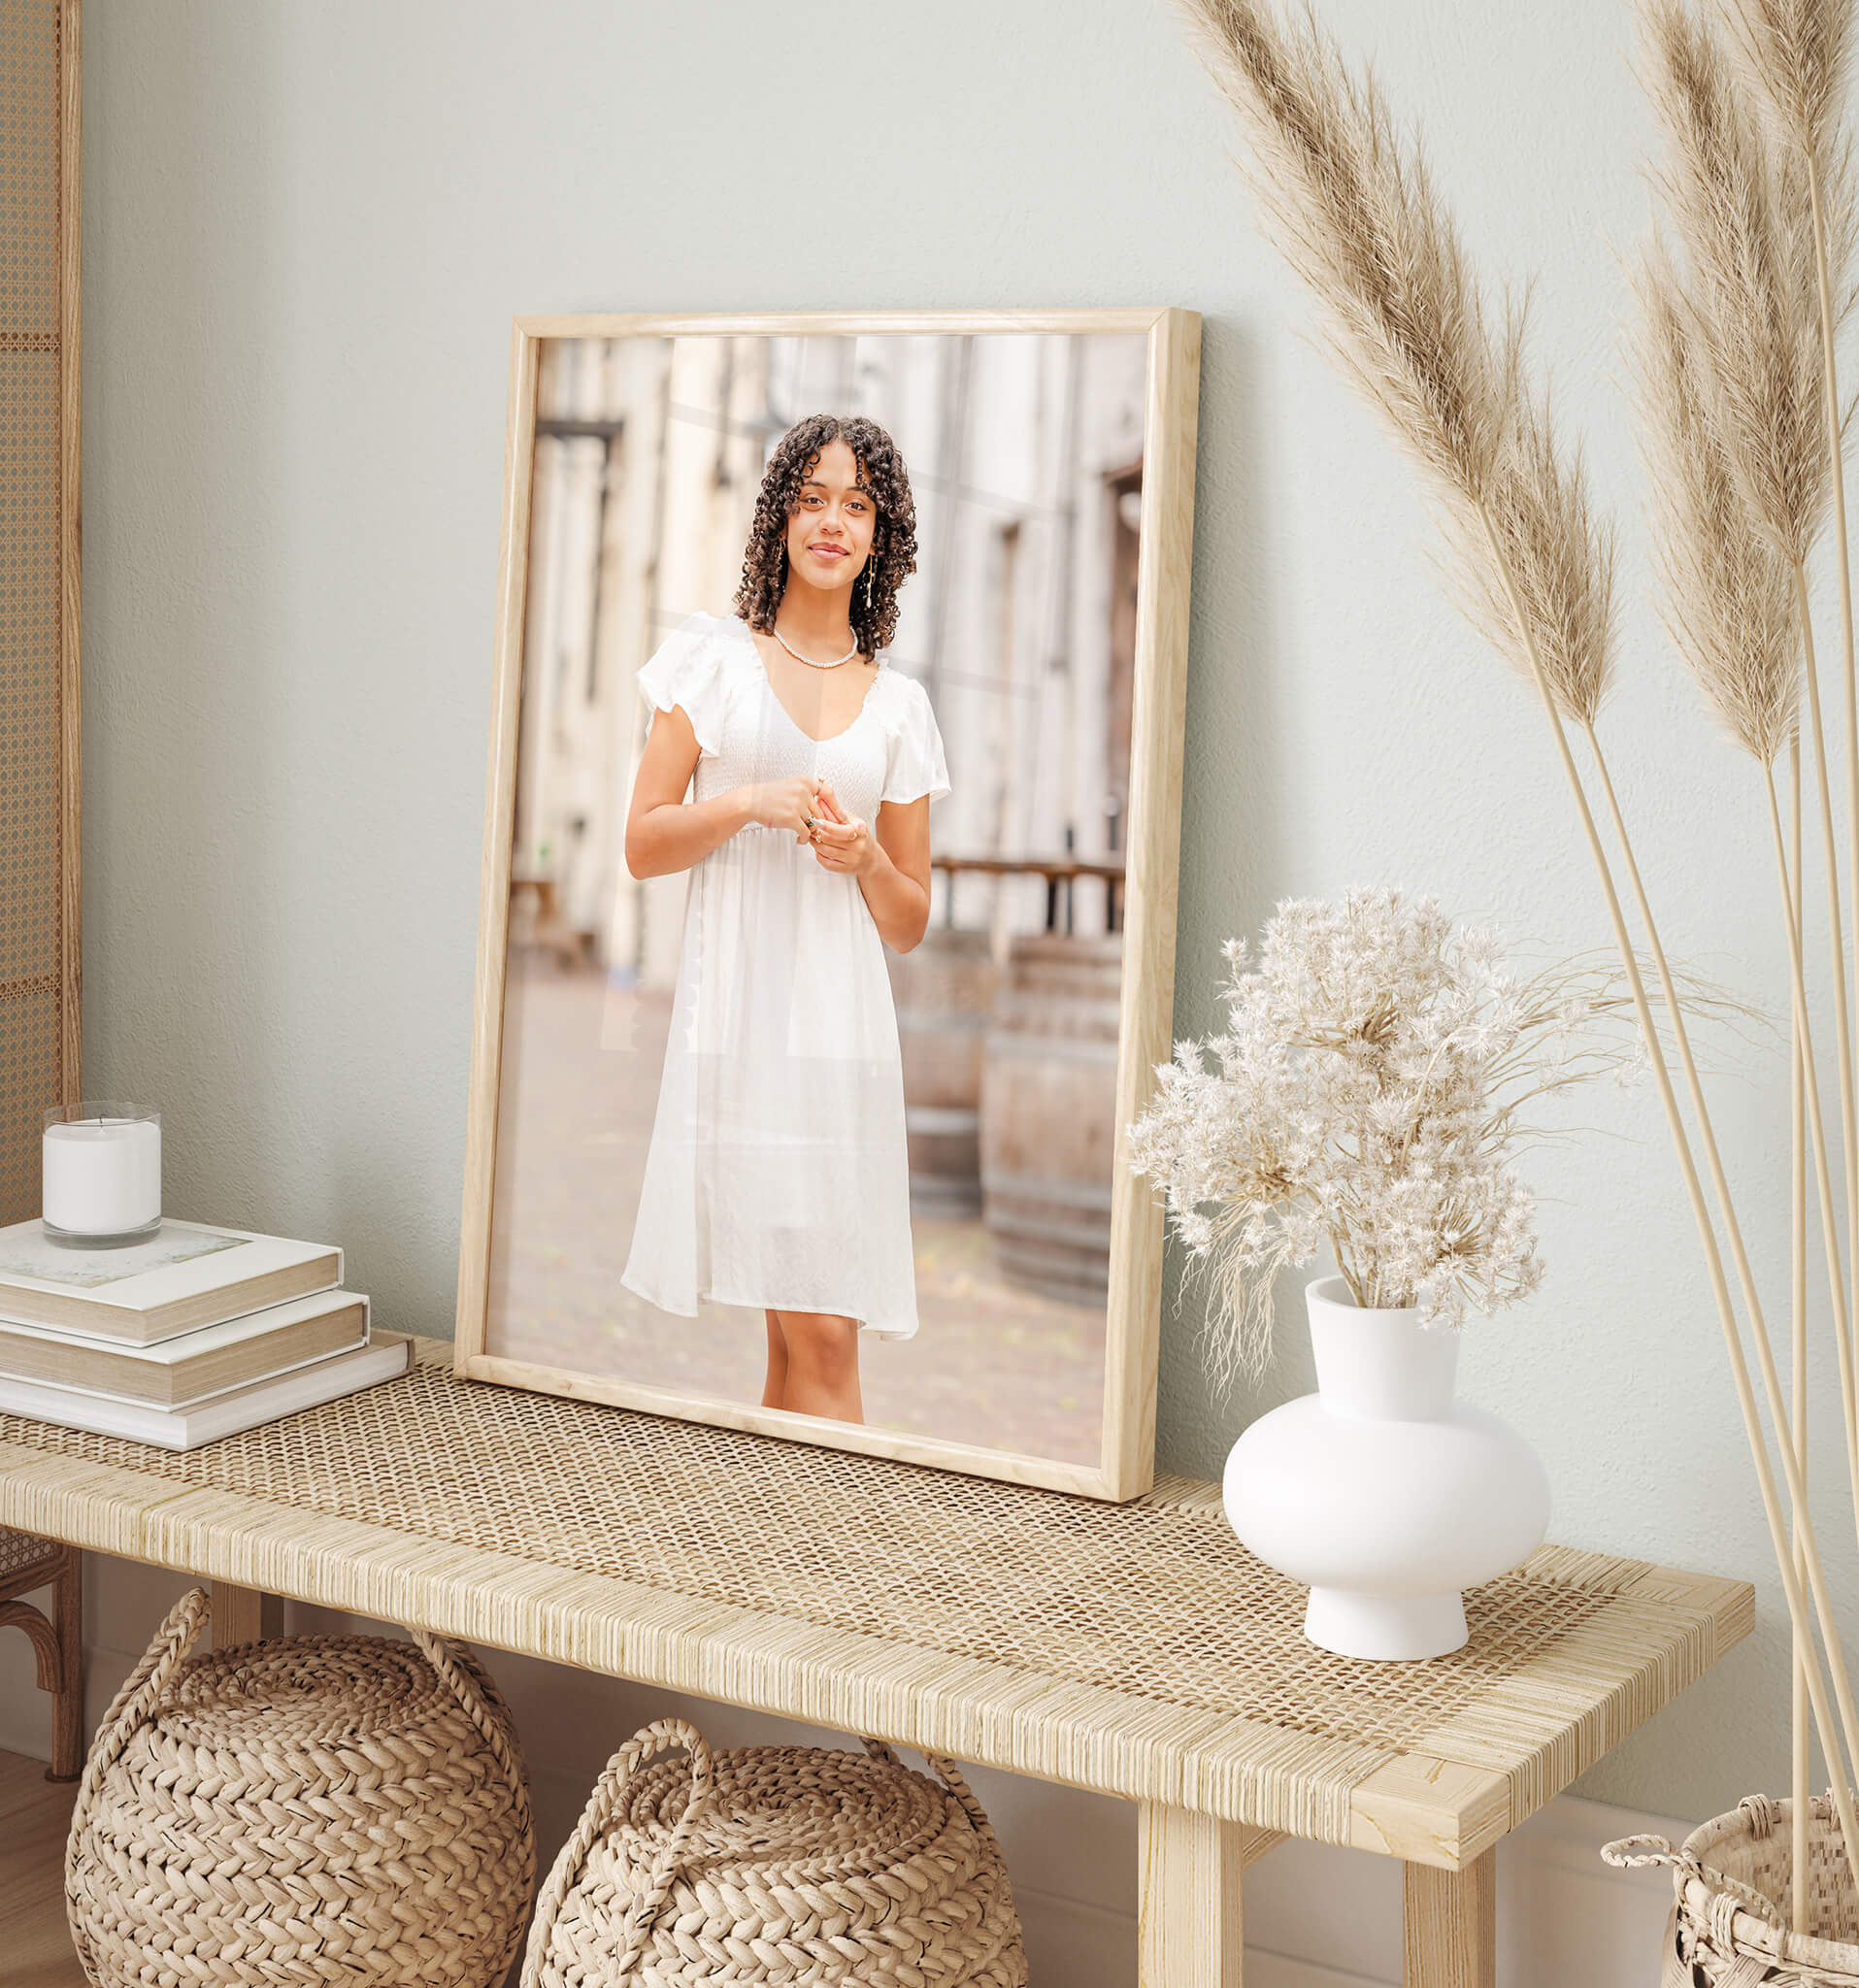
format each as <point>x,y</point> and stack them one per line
<point>101,1175</point>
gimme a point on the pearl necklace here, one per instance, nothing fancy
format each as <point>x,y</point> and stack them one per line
<point>808,660</point>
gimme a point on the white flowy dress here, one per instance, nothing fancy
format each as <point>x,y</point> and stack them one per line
<point>777,1175</point>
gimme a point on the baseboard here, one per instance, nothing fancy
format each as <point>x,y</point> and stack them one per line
<point>1278,1971</point>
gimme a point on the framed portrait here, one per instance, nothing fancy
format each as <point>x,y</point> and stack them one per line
<point>826,942</point>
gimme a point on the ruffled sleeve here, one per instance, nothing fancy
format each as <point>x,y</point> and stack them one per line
<point>685,672</point>
<point>914,765</point>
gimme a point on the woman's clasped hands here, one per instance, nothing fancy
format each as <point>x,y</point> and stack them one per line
<point>790,804</point>
<point>841,842</point>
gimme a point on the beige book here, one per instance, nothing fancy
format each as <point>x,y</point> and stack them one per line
<point>195,1366</point>
<point>186,1275</point>
<point>386,1355</point>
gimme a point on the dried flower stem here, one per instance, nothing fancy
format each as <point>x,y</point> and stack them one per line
<point>1802,1546</point>
<point>1800,1731</point>
<point>1816,1136</point>
<point>1842,1318</point>
<point>1843,567</point>
<point>1830,1734</point>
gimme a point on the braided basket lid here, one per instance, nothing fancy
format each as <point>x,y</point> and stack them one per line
<point>799,1814</point>
<point>311,1695</point>
<point>789,1867</point>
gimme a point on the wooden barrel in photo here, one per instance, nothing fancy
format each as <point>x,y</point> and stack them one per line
<point>1048,1114</point>
<point>943,991</point>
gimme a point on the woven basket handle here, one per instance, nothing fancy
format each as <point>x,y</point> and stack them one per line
<point>615,1779</point>
<point>951,1776</point>
<point>1632,1852</point>
<point>464,1687</point>
<point>140,1693</point>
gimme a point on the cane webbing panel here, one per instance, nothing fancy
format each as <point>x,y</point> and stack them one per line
<point>31,747</point>
<point>1136,1648</point>
<point>33,537</point>
<point>20,1552</point>
<point>29,165</point>
<point>31,1020</point>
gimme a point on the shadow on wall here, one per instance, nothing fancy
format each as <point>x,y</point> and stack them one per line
<point>1235,864</point>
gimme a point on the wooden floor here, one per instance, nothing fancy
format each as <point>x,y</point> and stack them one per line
<point>35,1949</point>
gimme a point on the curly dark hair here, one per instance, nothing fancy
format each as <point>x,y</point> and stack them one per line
<point>893,556</point>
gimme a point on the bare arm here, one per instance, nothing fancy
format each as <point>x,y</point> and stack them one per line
<point>892,864</point>
<point>666,834</point>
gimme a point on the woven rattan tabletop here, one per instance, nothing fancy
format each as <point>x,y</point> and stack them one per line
<point>1136,1650</point>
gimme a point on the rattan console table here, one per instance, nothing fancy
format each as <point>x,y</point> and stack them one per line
<point>1132,1650</point>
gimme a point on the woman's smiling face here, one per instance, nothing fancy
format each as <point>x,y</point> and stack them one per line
<point>829,530</point>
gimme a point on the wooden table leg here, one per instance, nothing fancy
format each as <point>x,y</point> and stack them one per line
<point>1190,1926</point>
<point>1449,1925</point>
<point>67,1727</point>
<point>244,1614</point>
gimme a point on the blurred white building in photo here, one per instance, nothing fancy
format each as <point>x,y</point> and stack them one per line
<point>1024,454</point>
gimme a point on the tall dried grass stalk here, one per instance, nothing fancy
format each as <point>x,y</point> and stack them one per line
<point>1558,555</point>
<point>1795,53</point>
<point>1793,57</point>
<point>1741,210</point>
<point>1802,1541</point>
<point>1363,226</point>
<point>1750,406</point>
<point>1801,1734</point>
<point>1790,53</point>
<point>1727,598</point>
<point>1742,207</point>
<point>1354,211</point>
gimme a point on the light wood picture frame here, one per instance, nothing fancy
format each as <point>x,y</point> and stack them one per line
<point>496,1334</point>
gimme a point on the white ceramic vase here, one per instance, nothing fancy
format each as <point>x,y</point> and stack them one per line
<point>1381,1492</point>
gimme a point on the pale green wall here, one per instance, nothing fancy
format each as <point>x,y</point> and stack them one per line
<point>307,227</point>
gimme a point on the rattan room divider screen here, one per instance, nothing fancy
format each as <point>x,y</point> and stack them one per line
<point>39,583</point>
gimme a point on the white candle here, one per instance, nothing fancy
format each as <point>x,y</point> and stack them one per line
<point>102,1177</point>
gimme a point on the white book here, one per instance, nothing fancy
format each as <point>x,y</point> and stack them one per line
<point>186,1275</point>
<point>245,1407</point>
<point>194,1366</point>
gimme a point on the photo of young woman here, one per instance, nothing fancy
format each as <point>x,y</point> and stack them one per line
<point>789,768</point>
<point>818,789</point>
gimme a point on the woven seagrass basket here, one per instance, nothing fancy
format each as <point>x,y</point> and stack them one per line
<point>797,1866</point>
<point>1732,1879</point>
<point>318,1809</point>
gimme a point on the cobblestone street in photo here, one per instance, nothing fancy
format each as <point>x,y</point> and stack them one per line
<point>991,1364</point>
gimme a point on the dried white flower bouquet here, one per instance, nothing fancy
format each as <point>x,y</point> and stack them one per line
<point>1368,1091</point>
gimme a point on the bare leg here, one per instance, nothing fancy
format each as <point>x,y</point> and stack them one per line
<point>774,1388</point>
<point>822,1365</point>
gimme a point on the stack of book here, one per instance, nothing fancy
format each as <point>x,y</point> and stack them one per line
<point>192,1334</point>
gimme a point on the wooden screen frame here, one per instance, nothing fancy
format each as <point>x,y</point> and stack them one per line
<point>71,541</point>
<point>1126,1463</point>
